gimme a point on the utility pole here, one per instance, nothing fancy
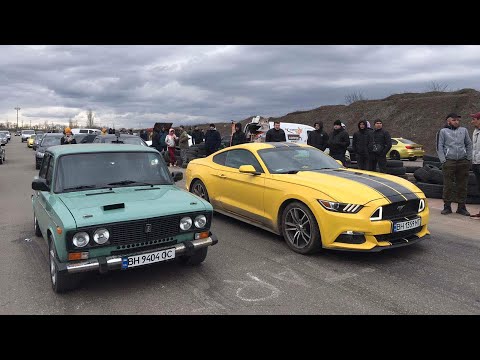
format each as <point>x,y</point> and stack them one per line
<point>17,108</point>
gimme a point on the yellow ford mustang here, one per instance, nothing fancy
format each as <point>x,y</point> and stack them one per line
<point>30,141</point>
<point>297,191</point>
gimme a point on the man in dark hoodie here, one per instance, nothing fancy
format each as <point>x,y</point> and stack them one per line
<point>318,138</point>
<point>197,136</point>
<point>276,134</point>
<point>338,142</point>
<point>238,136</point>
<point>360,145</point>
<point>380,143</point>
<point>212,140</point>
<point>158,139</point>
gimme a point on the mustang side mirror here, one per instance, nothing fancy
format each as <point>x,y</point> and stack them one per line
<point>177,176</point>
<point>40,184</point>
<point>248,169</point>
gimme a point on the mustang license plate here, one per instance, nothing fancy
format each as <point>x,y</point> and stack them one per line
<point>149,258</point>
<point>406,225</point>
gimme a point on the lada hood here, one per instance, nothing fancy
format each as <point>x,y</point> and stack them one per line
<point>356,187</point>
<point>93,207</point>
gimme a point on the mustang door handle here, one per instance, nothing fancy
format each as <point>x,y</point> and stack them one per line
<point>222,176</point>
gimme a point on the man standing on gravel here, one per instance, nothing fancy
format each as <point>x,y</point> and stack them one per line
<point>476,152</point>
<point>455,153</point>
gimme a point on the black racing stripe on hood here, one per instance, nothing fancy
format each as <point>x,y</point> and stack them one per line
<point>394,189</point>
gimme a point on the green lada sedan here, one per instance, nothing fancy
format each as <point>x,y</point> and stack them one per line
<point>107,207</point>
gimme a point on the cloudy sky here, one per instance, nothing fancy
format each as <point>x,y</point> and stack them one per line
<point>137,85</point>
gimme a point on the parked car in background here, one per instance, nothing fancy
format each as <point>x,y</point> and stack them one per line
<point>85,131</point>
<point>3,141</point>
<point>31,140</point>
<point>405,149</point>
<point>38,138</point>
<point>26,134</point>
<point>109,207</point>
<point>309,198</point>
<point>7,133</point>
<point>49,139</point>
<point>84,138</point>
<point>18,133</point>
<point>121,139</point>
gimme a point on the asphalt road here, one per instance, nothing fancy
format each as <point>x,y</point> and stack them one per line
<point>250,271</point>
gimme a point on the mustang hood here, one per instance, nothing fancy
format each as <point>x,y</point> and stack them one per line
<point>359,187</point>
<point>129,203</point>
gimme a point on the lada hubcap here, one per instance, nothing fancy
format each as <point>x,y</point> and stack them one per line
<point>52,266</point>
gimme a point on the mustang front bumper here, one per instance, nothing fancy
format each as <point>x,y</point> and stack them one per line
<point>106,263</point>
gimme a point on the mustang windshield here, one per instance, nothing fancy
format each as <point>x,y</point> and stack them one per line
<point>112,169</point>
<point>289,160</point>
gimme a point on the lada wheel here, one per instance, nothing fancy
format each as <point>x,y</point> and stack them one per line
<point>197,258</point>
<point>300,228</point>
<point>199,189</point>
<point>36,227</point>
<point>61,282</point>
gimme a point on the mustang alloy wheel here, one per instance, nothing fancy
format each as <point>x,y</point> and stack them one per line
<point>199,189</point>
<point>300,228</point>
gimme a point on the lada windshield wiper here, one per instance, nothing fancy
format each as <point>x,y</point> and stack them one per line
<point>80,187</point>
<point>128,182</point>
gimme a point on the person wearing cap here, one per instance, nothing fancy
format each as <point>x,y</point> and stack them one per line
<point>379,144</point>
<point>455,153</point>
<point>476,152</point>
<point>68,138</point>
<point>338,142</point>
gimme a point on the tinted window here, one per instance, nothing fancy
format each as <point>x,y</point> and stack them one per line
<point>44,166</point>
<point>83,131</point>
<point>284,160</point>
<point>394,142</point>
<point>237,158</point>
<point>50,171</point>
<point>405,141</point>
<point>50,141</point>
<point>101,170</point>
<point>220,159</point>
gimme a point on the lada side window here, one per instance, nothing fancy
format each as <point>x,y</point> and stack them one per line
<point>220,158</point>
<point>237,158</point>
<point>44,167</point>
<point>50,171</point>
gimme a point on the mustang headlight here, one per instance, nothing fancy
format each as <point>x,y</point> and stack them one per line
<point>40,154</point>
<point>340,207</point>
<point>185,223</point>
<point>101,236</point>
<point>422,205</point>
<point>81,239</point>
<point>200,221</point>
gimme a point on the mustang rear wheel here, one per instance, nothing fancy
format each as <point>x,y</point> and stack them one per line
<point>395,155</point>
<point>300,229</point>
<point>199,189</point>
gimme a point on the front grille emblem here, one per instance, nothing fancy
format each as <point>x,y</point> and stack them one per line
<point>400,208</point>
<point>148,228</point>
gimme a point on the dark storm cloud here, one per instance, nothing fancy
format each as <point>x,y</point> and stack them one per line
<point>132,85</point>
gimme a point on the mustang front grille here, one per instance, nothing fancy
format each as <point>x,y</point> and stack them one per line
<point>400,209</point>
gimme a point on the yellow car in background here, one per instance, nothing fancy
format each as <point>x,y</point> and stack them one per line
<point>31,141</point>
<point>405,149</point>
<point>297,191</point>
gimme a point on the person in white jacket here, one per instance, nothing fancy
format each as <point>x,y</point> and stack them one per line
<point>476,152</point>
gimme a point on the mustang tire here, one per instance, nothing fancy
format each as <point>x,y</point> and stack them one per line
<point>300,229</point>
<point>198,188</point>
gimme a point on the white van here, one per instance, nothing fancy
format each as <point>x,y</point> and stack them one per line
<point>86,131</point>
<point>256,130</point>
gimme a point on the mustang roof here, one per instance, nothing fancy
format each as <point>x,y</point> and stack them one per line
<point>267,145</point>
<point>96,148</point>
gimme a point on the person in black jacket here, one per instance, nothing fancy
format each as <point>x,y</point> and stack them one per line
<point>318,138</point>
<point>197,136</point>
<point>360,145</point>
<point>276,134</point>
<point>238,136</point>
<point>212,140</point>
<point>379,145</point>
<point>338,142</point>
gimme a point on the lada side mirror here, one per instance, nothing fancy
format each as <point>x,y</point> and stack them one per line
<point>177,176</point>
<point>40,184</point>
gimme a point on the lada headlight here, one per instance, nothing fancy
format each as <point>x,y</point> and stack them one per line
<point>101,236</point>
<point>185,223</point>
<point>81,239</point>
<point>200,221</point>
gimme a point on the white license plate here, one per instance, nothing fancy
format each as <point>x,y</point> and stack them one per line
<point>149,258</point>
<point>407,225</point>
